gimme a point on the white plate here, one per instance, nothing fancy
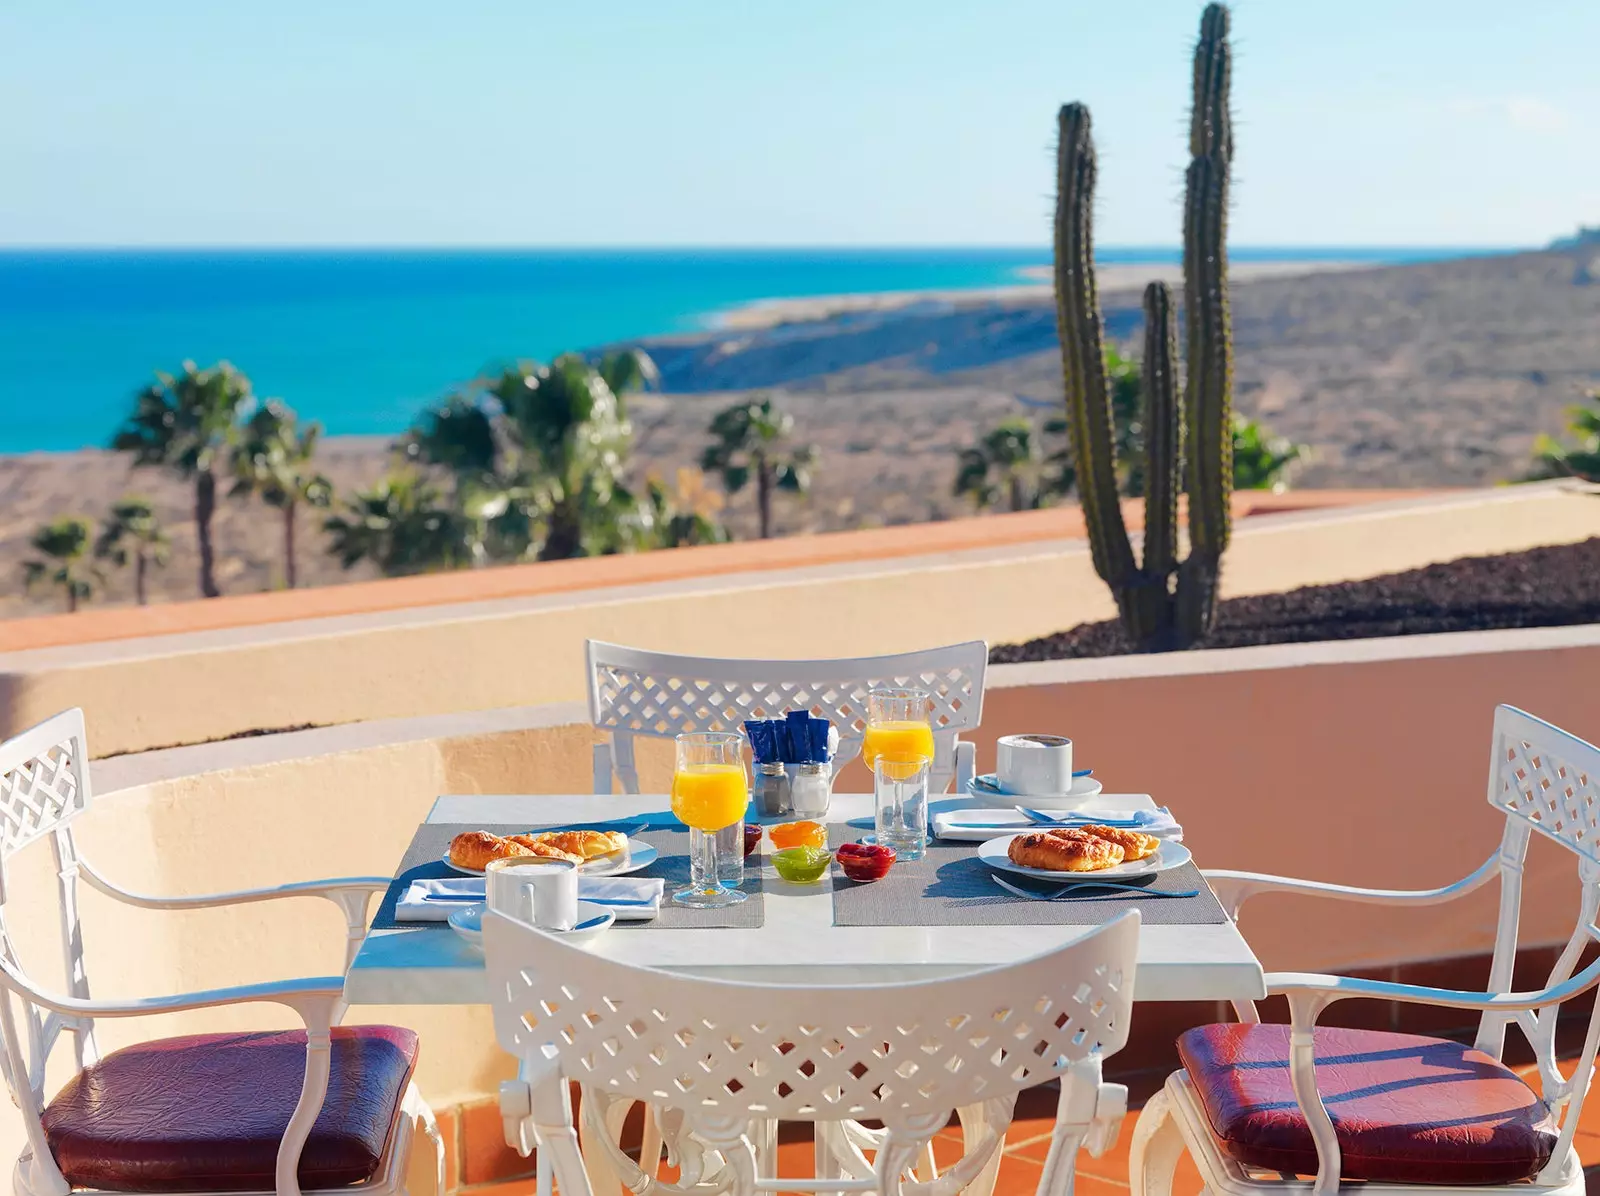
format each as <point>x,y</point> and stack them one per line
<point>1084,790</point>
<point>638,855</point>
<point>593,919</point>
<point>1169,855</point>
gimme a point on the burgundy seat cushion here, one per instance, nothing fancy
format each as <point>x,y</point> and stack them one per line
<point>1407,1109</point>
<point>206,1112</point>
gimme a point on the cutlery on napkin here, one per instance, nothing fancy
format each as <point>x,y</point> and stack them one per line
<point>631,898</point>
<point>977,823</point>
<point>1090,890</point>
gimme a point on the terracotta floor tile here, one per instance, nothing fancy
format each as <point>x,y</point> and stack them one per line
<point>508,1187</point>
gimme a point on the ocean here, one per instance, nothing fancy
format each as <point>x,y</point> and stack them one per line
<point>362,340</point>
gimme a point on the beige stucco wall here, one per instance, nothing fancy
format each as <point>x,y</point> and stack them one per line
<point>1363,763</point>
<point>152,691</point>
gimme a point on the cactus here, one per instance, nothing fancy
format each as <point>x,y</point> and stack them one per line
<point>1163,602</point>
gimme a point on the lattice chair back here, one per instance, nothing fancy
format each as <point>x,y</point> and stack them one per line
<point>658,695</point>
<point>715,1056</point>
<point>44,786</point>
<point>1547,782</point>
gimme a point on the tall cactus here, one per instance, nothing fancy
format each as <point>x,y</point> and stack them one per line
<point>1163,602</point>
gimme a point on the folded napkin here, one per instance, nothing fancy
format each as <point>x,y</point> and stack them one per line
<point>631,898</point>
<point>979,823</point>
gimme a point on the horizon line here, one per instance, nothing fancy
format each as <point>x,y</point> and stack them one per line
<point>752,247</point>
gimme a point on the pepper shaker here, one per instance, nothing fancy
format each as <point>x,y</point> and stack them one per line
<point>771,789</point>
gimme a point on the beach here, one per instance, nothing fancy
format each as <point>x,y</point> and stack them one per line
<point>1430,374</point>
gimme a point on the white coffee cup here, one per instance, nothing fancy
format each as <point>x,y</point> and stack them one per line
<point>1034,765</point>
<point>541,892</point>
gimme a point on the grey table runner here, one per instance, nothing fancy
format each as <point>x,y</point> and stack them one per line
<point>424,860</point>
<point>950,886</point>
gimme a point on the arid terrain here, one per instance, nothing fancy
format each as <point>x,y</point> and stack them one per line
<point>1438,374</point>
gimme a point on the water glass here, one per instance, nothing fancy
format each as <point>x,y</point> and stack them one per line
<point>900,803</point>
<point>709,794</point>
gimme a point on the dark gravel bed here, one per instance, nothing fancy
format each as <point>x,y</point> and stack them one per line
<point>1542,587</point>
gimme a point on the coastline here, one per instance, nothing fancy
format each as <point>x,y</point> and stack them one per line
<point>1114,279</point>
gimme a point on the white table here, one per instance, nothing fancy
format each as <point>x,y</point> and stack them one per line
<point>430,966</point>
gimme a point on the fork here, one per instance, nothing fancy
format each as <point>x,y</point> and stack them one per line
<point>1046,819</point>
<point>1072,889</point>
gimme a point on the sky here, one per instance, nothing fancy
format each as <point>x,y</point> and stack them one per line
<point>806,122</point>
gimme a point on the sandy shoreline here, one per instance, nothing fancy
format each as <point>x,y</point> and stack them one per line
<point>769,313</point>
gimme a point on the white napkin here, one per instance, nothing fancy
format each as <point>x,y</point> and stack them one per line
<point>979,823</point>
<point>631,898</point>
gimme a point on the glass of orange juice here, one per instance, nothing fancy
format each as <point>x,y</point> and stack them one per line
<point>897,726</point>
<point>709,793</point>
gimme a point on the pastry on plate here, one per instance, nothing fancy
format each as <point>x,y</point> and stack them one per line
<point>1136,845</point>
<point>586,845</point>
<point>474,849</point>
<point>1064,851</point>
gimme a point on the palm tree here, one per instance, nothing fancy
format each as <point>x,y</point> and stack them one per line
<point>752,440</point>
<point>63,545</point>
<point>1006,461</point>
<point>184,424</point>
<point>1579,455</point>
<point>400,524</point>
<point>537,455</point>
<point>133,533</point>
<point>1260,459</point>
<point>273,460</point>
<point>680,516</point>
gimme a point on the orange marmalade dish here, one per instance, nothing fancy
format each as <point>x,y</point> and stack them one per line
<point>798,834</point>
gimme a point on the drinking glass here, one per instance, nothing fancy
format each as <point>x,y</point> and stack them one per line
<point>709,794</point>
<point>897,724</point>
<point>900,803</point>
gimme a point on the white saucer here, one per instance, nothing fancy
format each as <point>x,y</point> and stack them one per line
<point>593,919</point>
<point>1170,855</point>
<point>1084,790</point>
<point>638,855</point>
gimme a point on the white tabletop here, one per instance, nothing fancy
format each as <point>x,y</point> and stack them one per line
<point>798,942</point>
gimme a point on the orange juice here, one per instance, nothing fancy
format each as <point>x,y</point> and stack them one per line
<point>896,739</point>
<point>709,797</point>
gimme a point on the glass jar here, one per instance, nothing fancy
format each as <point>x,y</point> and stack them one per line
<point>770,790</point>
<point>810,788</point>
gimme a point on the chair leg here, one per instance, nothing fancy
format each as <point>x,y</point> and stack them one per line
<point>1156,1148</point>
<point>430,1128</point>
<point>974,1122</point>
<point>556,1139</point>
<point>650,1144</point>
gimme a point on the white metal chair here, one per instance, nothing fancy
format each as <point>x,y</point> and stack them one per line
<point>721,1060</point>
<point>329,1106</point>
<point>659,695</point>
<point>1256,1105</point>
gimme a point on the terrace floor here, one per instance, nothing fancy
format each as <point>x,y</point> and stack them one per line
<point>1029,1141</point>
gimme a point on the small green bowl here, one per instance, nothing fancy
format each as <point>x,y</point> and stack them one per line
<point>802,865</point>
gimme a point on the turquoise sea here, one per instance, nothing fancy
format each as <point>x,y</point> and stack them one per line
<point>363,339</point>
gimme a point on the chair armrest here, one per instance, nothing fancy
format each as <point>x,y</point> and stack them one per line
<point>1318,991</point>
<point>350,894</point>
<point>1233,889</point>
<point>333,890</point>
<point>314,997</point>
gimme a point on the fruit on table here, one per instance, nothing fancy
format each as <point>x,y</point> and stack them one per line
<point>865,861</point>
<point>798,834</point>
<point>752,837</point>
<point>802,865</point>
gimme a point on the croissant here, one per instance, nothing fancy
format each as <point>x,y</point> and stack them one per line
<point>474,849</point>
<point>583,843</point>
<point>1064,851</point>
<point>1136,845</point>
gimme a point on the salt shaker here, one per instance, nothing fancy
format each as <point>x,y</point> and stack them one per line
<point>810,789</point>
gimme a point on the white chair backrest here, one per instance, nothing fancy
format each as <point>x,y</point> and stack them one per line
<point>1546,782</point>
<point>898,1053</point>
<point>659,695</point>
<point>44,786</point>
